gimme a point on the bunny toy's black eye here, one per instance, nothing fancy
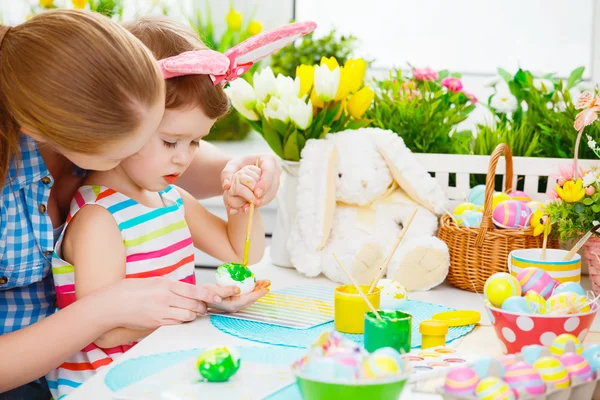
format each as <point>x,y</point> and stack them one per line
<point>340,175</point>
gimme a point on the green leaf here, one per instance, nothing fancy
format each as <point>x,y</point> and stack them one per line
<point>457,75</point>
<point>280,126</point>
<point>291,152</point>
<point>596,208</point>
<point>504,74</point>
<point>579,207</point>
<point>272,138</point>
<point>587,201</point>
<point>358,123</point>
<point>443,74</point>
<point>575,77</point>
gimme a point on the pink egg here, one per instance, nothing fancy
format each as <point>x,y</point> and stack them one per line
<point>508,360</point>
<point>511,214</point>
<point>520,196</point>
<point>522,376</point>
<point>577,366</point>
<point>461,381</point>
<point>536,280</point>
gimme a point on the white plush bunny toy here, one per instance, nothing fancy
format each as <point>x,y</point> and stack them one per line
<point>356,189</point>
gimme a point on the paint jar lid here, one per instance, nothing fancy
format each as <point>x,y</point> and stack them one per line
<point>458,317</point>
<point>437,328</point>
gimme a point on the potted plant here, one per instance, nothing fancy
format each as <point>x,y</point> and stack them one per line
<point>287,112</point>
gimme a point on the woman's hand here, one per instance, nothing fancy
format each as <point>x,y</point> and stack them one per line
<point>237,303</point>
<point>238,199</point>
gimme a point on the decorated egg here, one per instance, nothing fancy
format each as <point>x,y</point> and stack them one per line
<point>461,381</point>
<point>592,355</point>
<point>477,195</point>
<point>577,366</point>
<point>508,360</point>
<point>572,287</point>
<point>553,372</point>
<point>536,304</point>
<point>383,362</point>
<point>234,274</point>
<point>472,219</point>
<point>218,364</point>
<point>511,214</point>
<point>498,198</point>
<point>488,366</point>
<point>500,287</point>
<point>533,352</point>
<point>522,376</point>
<point>538,280</point>
<point>460,209</point>
<point>535,206</point>
<point>567,303</point>
<point>559,344</point>
<point>393,294</point>
<point>520,196</point>
<point>516,304</point>
<point>492,388</point>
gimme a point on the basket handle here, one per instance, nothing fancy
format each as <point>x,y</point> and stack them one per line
<point>486,222</point>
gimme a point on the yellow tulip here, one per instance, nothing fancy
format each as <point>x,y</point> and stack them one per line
<point>356,70</point>
<point>306,74</point>
<point>46,3</point>
<point>331,62</point>
<point>360,102</point>
<point>345,83</point>
<point>316,101</point>
<point>539,222</point>
<point>342,108</point>
<point>571,192</point>
<point>79,3</point>
<point>234,20</point>
<point>254,28</point>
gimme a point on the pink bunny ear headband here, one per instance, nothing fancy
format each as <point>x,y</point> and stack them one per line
<point>237,60</point>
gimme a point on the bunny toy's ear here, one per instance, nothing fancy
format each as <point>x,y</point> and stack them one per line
<point>407,172</point>
<point>316,199</point>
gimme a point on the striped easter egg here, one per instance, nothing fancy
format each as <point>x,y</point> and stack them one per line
<point>492,388</point>
<point>552,371</point>
<point>511,214</point>
<point>567,303</point>
<point>461,381</point>
<point>477,195</point>
<point>520,196</point>
<point>577,366</point>
<point>537,280</point>
<point>523,376</point>
<point>559,344</point>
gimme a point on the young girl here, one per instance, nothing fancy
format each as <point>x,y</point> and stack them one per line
<point>131,222</point>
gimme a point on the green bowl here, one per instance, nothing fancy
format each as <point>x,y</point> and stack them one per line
<point>389,389</point>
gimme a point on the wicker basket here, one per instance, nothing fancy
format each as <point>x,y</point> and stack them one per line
<point>478,253</point>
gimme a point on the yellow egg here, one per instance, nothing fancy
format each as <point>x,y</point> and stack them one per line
<point>460,209</point>
<point>559,344</point>
<point>500,287</point>
<point>499,197</point>
<point>492,388</point>
<point>567,303</point>
<point>552,371</point>
<point>535,302</point>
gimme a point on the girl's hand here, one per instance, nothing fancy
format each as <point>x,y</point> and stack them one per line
<point>265,190</point>
<point>152,302</point>
<point>237,303</point>
<point>243,183</point>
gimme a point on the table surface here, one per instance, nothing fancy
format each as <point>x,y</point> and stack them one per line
<point>201,333</point>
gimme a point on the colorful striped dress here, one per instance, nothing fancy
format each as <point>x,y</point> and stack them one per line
<point>157,242</point>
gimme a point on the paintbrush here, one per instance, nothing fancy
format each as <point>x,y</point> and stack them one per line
<point>249,230</point>
<point>360,292</point>
<point>581,242</point>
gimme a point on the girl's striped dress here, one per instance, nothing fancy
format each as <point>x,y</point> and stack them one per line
<point>157,242</point>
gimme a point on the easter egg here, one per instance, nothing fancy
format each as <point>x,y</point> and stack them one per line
<point>516,304</point>
<point>472,219</point>
<point>477,195</point>
<point>488,366</point>
<point>218,364</point>
<point>536,304</point>
<point>552,371</point>
<point>460,209</point>
<point>234,274</point>
<point>383,362</point>
<point>511,214</point>
<point>567,303</point>
<point>392,294</point>
<point>498,198</point>
<point>522,376</point>
<point>592,355</point>
<point>533,352</point>
<point>461,381</point>
<point>500,287</point>
<point>492,388</point>
<point>577,367</point>
<point>535,206</point>
<point>559,344</point>
<point>567,287</point>
<point>538,280</point>
<point>520,196</point>
<point>508,360</point>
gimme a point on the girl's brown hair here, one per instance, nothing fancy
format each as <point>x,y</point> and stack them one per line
<point>75,78</point>
<point>167,38</point>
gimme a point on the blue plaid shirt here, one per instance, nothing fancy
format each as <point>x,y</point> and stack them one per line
<point>26,242</point>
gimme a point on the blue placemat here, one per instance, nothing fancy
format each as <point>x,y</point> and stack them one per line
<point>302,338</point>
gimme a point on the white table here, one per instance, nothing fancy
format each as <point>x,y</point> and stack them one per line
<point>201,333</point>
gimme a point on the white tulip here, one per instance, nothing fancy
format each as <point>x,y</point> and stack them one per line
<point>543,85</point>
<point>326,82</point>
<point>242,98</point>
<point>288,89</point>
<point>504,102</point>
<point>276,109</point>
<point>265,83</point>
<point>301,113</point>
<point>589,179</point>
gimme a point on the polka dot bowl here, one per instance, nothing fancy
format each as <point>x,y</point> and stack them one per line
<point>518,330</point>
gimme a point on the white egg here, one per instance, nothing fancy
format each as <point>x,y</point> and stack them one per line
<point>224,278</point>
<point>392,294</point>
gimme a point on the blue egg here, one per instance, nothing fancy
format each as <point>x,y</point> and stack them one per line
<point>472,219</point>
<point>569,287</point>
<point>516,304</point>
<point>592,356</point>
<point>477,195</point>
<point>532,353</point>
<point>484,365</point>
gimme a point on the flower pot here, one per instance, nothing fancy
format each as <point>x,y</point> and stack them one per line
<point>591,252</point>
<point>286,213</point>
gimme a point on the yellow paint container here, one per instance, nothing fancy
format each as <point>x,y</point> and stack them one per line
<point>350,308</point>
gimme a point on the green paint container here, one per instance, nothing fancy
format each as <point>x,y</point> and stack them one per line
<point>389,389</point>
<point>393,330</point>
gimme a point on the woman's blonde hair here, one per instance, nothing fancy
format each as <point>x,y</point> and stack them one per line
<point>74,78</point>
<point>167,38</point>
